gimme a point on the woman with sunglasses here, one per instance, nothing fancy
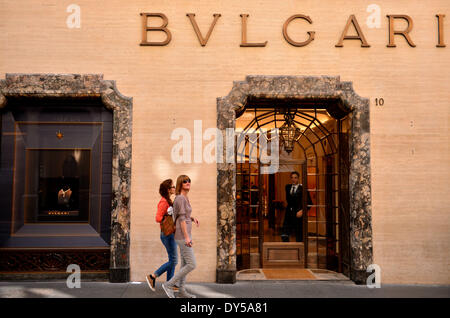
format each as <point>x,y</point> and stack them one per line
<point>183,238</point>
<point>166,189</point>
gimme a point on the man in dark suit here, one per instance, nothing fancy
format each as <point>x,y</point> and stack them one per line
<point>293,218</point>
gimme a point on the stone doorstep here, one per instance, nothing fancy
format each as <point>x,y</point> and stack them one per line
<point>250,274</point>
<point>322,274</point>
<point>319,274</point>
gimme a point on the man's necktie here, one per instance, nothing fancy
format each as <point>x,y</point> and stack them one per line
<point>293,188</point>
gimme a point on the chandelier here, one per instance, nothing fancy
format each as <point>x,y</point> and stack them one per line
<point>288,131</point>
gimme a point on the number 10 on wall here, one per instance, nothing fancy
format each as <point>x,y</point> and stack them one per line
<point>379,101</point>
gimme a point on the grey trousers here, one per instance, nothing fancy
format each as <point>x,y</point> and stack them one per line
<point>188,264</point>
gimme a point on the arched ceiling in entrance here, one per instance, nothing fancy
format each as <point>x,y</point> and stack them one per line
<point>315,127</point>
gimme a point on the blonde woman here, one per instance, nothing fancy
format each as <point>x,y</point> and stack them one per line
<point>182,211</point>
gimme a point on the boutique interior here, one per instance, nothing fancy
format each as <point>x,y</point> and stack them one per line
<point>315,145</point>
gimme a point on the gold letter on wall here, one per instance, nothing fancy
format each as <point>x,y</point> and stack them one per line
<point>162,28</point>
<point>244,42</point>
<point>359,36</point>
<point>202,40</point>
<point>440,30</point>
<point>286,36</point>
<point>404,33</point>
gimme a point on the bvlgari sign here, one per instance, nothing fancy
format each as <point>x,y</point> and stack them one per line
<point>393,30</point>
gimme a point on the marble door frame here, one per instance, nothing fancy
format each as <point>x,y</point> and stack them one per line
<point>299,88</point>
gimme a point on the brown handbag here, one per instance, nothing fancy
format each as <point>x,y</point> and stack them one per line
<point>168,225</point>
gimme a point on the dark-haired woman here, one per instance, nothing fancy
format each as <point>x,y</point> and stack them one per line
<point>182,211</point>
<point>166,189</point>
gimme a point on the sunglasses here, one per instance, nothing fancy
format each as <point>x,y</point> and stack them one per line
<point>187,181</point>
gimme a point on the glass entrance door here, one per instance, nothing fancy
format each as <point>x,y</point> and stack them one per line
<point>249,220</point>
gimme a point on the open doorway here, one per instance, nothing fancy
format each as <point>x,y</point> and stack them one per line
<point>292,217</point>
<point>351,114</point>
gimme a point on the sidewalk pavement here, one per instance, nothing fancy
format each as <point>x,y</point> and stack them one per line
<point>242,289</point>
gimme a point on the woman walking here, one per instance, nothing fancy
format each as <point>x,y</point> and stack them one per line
<point>183,238</point>
<point>166,189</point>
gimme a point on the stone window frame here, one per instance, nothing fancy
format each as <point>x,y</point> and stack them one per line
<point>298,88</point>
<point>93,85</point>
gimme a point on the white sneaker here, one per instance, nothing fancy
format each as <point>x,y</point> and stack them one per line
<point>185,294</point>
<point>168,290</point>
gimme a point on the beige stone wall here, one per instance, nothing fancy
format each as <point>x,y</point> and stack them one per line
<point>174,85</point>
